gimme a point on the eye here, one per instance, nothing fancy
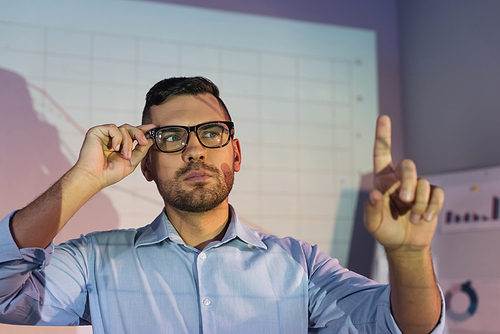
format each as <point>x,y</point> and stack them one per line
<point>211,134</point>
<point>172,137</point>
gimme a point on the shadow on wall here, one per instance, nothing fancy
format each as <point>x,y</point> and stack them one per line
<point>352,244</point>
<point>362,251</point>
<point>31,160</point>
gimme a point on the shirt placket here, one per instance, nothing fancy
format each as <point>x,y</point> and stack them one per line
<point>204,299</point>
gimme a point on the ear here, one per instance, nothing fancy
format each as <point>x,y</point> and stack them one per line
<point>146,167</point>
<point>236,155</point>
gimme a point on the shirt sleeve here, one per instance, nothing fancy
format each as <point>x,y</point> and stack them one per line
<point>341,301</point>
<point>34,293</point>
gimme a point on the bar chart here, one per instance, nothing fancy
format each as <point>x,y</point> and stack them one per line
<point>474,217</point>
<point>471,207</point>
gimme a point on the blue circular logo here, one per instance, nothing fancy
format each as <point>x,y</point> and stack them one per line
<point>470,292</point>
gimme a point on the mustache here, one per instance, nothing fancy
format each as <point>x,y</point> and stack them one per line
<point>197,165</point>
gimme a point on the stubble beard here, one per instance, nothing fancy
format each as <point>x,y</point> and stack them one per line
<point>202,197</point>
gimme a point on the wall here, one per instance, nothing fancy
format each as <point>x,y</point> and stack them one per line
<point>450,81</point>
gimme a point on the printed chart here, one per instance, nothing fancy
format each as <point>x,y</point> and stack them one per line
<point>472,207</point>
<point>472,305</point>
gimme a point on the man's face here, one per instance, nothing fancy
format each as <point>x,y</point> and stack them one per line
<point>196,179</point>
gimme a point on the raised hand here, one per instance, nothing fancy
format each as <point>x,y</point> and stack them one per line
<point>402,210</point>
<point>110,153</point>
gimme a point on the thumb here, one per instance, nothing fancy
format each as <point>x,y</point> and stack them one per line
<point>373,211</point>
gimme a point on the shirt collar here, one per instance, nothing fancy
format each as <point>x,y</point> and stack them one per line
<point>161,229</point>
<point>237,229</point>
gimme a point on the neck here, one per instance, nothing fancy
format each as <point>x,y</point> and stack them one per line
<point>198,229</point>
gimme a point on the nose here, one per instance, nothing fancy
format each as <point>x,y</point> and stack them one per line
<point>194,150</point>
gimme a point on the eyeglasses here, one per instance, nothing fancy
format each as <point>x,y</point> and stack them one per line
<point>170,139</point>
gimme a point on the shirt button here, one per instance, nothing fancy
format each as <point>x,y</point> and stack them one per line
<point>203,256</point>
<point>206,302</point>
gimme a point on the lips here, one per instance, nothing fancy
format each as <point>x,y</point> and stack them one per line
<point>197,176</point>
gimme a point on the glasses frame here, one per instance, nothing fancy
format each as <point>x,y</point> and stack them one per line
<point>152,134</point>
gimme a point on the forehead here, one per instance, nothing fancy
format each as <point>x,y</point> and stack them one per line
<point>188,110</point>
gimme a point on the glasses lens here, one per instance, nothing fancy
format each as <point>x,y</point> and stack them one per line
<point>213,134</point>
<point>171,139</point>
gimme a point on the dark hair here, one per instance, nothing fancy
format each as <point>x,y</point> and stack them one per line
<point>179,86</point>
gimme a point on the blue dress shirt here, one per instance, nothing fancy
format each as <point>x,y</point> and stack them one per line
<point>148,280</point>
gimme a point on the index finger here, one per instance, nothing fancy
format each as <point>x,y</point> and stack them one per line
<point>382,158</point>
<point>144,128</point>
<point>138,133</point>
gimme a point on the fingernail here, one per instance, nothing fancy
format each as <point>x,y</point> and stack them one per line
<point>405,195</point>
<point>372,200</point>
<point>428,216</point>
<point>415,218</point>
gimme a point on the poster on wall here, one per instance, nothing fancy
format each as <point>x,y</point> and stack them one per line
<point>465,249</point>
<point>472,207</point>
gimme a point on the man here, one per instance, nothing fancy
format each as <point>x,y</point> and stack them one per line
<point>197,268</point>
